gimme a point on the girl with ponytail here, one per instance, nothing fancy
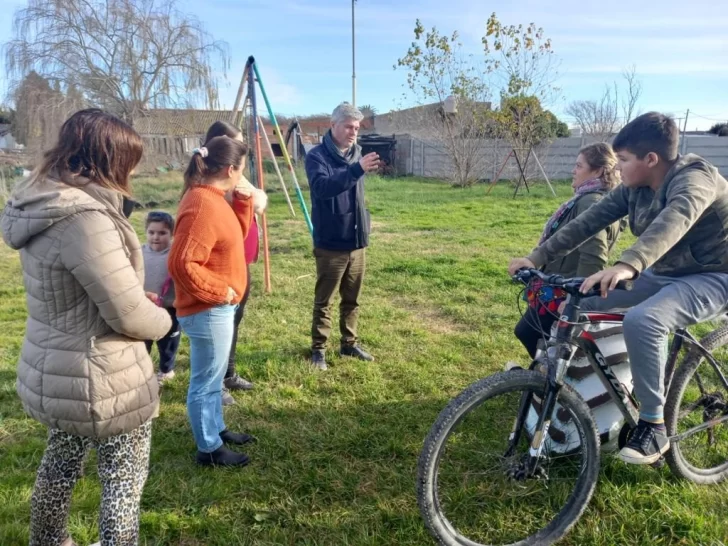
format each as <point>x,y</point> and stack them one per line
<point>207,264</point>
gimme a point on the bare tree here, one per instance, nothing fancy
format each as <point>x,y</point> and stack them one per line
<point>452,95</point>
<point>40,110</point>
<point>634,91</point>
<point>522,58</point>
<point>601,118</point>
<point>123,55</point>
<point>597,118</point>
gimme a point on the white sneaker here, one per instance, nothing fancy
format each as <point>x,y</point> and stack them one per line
<point>161,378</point>
<point>510,365</point>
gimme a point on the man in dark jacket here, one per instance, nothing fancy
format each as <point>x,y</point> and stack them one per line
<point>335,170</point>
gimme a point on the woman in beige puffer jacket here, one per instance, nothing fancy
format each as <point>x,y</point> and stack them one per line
<point>84,370</point>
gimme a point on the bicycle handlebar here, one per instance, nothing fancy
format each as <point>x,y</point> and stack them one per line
<point>569,285</point>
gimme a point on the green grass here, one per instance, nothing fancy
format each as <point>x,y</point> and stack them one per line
<point>337,452</point>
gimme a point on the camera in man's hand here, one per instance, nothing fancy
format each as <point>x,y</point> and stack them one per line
<point>370,162</point>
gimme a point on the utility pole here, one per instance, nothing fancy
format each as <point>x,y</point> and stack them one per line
<point>353,57</point>
<point>685,126</point>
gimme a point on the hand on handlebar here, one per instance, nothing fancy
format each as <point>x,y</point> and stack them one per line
<point>608,278</point>
<point>519,263</point>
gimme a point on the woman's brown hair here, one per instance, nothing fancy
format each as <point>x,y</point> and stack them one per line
<point>601,156</point>
<point>95,145</point>
<point>219,153</point>
<point>222,128</point>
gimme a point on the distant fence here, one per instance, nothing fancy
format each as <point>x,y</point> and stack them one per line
<point>428,158</point>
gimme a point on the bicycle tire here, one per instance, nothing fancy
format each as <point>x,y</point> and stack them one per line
<point>472,397</point>
<point>679,466</point>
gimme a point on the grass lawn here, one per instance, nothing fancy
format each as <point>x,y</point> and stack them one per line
<point>336,459</point>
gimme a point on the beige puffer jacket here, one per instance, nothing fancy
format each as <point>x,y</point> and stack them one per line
<point>82,368</point>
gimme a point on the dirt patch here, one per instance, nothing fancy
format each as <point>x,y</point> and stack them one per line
<point>431,317</point>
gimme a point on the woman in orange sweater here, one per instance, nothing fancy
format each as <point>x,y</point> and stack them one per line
<point>207,264</point>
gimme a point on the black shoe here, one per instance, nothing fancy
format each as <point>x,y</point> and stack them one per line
<point>237,383</point>
<point>236,438</point>
<point>222,456</point>
<point>318,359</point>
<point>646,445</point>
<point>356,351</point>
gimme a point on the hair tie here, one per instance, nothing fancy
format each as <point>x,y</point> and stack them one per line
<point>202,151</point>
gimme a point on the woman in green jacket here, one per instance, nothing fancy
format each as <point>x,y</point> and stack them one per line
<point>594,175</point>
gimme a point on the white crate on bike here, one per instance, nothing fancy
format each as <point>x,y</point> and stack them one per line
<point>562,436</point>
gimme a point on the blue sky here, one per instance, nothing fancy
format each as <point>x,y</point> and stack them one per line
<point>303,47</point>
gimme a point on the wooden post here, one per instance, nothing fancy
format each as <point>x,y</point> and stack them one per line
<point>275,164</point>
<point>544,174</point>
<point>261,181</point>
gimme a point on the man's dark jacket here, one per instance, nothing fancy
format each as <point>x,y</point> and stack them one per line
<point>340,220</point>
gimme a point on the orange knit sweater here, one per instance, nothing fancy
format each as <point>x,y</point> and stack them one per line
<point>207,254</point>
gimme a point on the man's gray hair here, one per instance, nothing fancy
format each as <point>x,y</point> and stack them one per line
<point>346,111</point>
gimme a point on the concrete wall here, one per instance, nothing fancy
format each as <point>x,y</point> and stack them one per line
<point>429,158</point>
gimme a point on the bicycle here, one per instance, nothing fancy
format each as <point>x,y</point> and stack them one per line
<point>504,470</point>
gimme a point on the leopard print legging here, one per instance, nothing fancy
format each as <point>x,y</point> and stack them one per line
<point>123,462</point>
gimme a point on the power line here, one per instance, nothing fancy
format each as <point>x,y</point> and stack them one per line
<point>723,119</point>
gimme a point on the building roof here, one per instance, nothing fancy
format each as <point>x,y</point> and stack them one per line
<point>172,122</point>
<point>190,122</point>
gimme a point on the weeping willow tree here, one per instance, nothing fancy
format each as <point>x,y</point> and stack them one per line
<point>123,55</point>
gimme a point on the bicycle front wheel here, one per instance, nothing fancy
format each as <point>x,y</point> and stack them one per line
<point>471,487</point>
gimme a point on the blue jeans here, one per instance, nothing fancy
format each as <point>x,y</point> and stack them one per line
<point>210,333</point>
<point>657,306</point>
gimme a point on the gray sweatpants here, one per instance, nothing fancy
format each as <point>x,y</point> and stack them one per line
<point>657,306</point>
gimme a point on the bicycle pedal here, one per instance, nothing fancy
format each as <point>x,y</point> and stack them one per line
<point>659,463</point>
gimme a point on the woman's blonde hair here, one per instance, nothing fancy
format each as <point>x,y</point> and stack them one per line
<point>601,156</point>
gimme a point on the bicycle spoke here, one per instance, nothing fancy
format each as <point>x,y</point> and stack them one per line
<point>477,484</point>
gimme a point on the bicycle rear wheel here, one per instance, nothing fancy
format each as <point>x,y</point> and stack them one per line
<point>697,411</point>
<point>471,489</point>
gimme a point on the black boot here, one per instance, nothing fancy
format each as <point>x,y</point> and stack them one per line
<point>356,351</point>
<point>236,438</point>
<point>318,359</point>
<point>222,456</point>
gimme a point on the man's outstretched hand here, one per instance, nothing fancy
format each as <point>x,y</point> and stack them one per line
<point>370,162</point>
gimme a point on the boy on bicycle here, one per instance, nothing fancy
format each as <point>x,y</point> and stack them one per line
<point>678,208</point>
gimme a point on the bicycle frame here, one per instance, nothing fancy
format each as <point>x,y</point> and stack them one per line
<point>557,356</point>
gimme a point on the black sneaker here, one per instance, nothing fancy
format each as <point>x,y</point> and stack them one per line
<point>357,352</point>
<point>646,445</point>
<point>222,456</point>
<point>318,359</point>
<point>237,383</point>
